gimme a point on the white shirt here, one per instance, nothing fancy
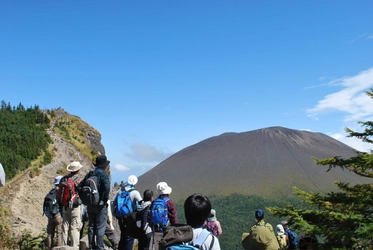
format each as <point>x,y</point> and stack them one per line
<point>206,245</point>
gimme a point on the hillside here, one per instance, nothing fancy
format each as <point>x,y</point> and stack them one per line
<point>73,139</point>
<point>265,162</point>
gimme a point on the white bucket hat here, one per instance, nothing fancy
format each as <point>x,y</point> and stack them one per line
<point>163,188</point>
<point>132,180</point>
<point>280,229</point>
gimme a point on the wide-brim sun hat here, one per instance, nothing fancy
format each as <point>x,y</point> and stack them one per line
<point>74,166</point>
<point>132,180</point>
<point>101,161</point>
<point>212,216</point>
<point>163,188</point>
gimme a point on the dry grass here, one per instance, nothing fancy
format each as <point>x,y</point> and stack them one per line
<point>73,129</point>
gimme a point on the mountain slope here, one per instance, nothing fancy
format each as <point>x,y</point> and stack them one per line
<point>267,161</point>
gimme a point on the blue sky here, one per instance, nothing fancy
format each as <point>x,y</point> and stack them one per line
<point>157,76</point>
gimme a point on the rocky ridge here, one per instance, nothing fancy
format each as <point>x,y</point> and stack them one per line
<point>23,196</point>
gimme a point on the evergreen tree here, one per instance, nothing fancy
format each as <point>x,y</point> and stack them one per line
<point>343,219</point>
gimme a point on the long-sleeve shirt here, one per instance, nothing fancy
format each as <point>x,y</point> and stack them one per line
<point>172,213</point>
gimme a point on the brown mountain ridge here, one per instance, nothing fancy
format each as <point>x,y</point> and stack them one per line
<point>266,162</point>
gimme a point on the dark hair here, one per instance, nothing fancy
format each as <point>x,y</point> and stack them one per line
<point>197,208</point>
<point>148,194</point>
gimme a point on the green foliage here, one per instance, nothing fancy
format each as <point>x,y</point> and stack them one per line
<point>29,242</point>
<point>236,215</point>
<point>23,137</point>
<point>342,219</point>
<point>47,158</point>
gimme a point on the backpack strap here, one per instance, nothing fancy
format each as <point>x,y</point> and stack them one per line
<point>202,238</point>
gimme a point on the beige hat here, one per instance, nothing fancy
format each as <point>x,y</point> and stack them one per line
<point>163,188</point>
<point>74,166</point>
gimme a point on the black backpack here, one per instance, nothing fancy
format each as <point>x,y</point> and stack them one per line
<point>50,205</point>
<point>89,193</point>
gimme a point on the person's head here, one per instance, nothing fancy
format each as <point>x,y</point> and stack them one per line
<point>197,208</point>
<point>212,215</point>
<point>163,189</point>
<point>148,195</point>
<point>57,180</point>
<point>74,167</point>
<point>280,230</point>
<point>259,214</point>
<point>132,180</point>
<point>102,162</point>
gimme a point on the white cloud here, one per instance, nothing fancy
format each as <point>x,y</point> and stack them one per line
<point>120,167</point>
<point>351,99</point>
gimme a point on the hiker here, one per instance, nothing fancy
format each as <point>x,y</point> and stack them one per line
<point>281,237</point>
<point>54,217</point>
<point>212,224</point>
<point>261,235</point>
<point>291,235</point>
<point>144,210</point>
<point>259,217</point>
<point>97,214</point>
<point>197,208</point>
<point>167,207</point>
<point>71,207</point>
<point>134,197</point>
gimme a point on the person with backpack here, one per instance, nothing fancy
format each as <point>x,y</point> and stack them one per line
<point>52,209</point>
<point>71,205</point>
<point>197,208</point>
<point>212,224</point>
<point>96,181</point>
<point>143,214</point>
<point>163,212</point>
<point>125,202</point>
<point>291,235</point>
<point>261,235</point>
<point>281,237</point>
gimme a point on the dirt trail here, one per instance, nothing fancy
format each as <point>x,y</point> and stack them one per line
<point>25,195</point>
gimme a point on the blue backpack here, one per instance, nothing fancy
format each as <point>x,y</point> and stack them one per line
<point>159,211</point>
<point>292,237</point>
<point>124,204</point>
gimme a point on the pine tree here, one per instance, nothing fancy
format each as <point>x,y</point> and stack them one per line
<point>343,219</point>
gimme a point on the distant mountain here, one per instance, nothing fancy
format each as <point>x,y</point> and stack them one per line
<point>266,162</point>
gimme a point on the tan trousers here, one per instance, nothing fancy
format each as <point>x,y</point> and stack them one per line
<point>71,225</point>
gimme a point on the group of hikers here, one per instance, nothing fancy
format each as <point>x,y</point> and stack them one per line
<point>151,220</point>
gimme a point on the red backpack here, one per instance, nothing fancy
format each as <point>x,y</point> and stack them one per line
<point>66,192</point>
